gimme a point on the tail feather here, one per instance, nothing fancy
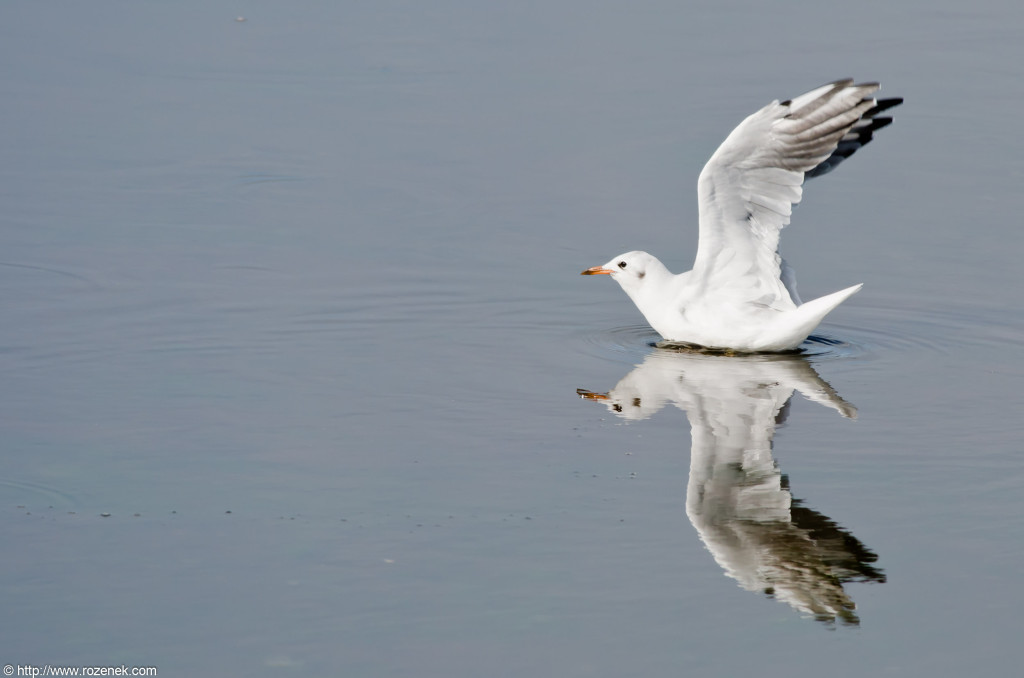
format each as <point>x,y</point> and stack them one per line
<point>802,321</point>
<point>809,315</point>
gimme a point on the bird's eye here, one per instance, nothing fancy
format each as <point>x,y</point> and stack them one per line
<point>622,264</point>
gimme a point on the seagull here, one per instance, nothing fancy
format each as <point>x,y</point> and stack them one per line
<point>741,295</point>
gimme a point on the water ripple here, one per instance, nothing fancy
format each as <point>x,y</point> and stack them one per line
<point>47,269</point>
<point>23,493</point>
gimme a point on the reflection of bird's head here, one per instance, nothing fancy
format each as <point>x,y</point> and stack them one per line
<point>626,405</point>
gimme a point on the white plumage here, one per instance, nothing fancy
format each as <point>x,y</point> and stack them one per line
<point>741,295</point>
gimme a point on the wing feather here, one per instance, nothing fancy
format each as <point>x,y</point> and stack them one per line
<point>749,186</point>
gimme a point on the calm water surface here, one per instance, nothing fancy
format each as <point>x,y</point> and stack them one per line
<point>293,345</point>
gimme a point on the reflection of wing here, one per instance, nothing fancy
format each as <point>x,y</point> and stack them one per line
<point>737,498</point>
<point>794,553</point>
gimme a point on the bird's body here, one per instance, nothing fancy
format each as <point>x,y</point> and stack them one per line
<point>741,295</point>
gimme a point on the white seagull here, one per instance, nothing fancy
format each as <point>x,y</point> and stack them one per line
<point>741,296</point>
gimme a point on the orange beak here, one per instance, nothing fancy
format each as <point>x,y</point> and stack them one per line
<point>590,395</point>
<point>597,270</point>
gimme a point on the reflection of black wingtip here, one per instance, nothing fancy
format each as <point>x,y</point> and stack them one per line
<point>847,557</point>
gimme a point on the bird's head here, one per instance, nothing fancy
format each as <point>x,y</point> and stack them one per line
<point>629,270</point>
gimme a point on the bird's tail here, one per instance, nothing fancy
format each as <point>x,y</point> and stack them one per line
<point>809,315</point>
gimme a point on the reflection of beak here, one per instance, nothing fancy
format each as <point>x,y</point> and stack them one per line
<point>590,395</point>
<point>597,270</point>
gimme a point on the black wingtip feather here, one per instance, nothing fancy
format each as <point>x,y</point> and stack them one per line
<point>858,136</point>
<point>884,105</point>
<point>879,123</point>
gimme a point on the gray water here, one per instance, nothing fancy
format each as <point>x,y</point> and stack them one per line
<point>293,328</point>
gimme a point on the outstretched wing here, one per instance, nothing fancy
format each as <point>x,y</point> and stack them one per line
<point>749,186</point>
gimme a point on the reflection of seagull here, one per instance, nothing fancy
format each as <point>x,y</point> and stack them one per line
<point>737,498</point>
<point>740,294</point>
